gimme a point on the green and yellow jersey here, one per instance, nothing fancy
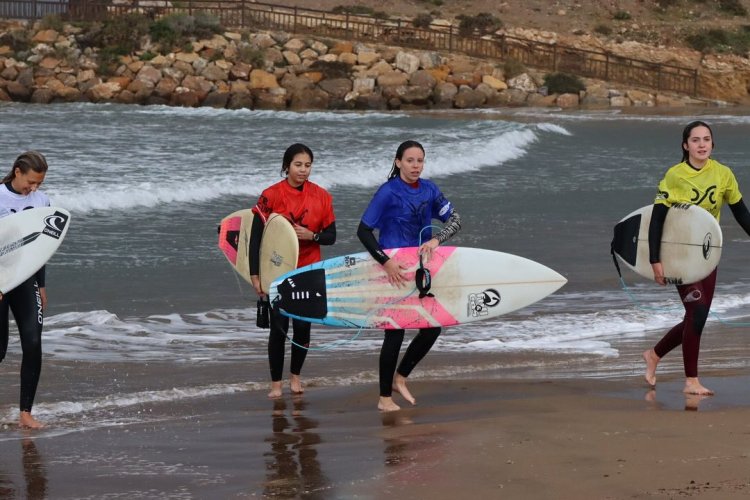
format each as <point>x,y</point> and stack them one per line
<point>709,187</point>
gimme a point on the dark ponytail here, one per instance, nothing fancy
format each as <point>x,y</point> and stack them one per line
<point>30,160</point>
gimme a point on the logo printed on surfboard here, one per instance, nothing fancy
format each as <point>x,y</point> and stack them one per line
<point>54,225</point>
<point>479,303</point>
<point>277,259</point>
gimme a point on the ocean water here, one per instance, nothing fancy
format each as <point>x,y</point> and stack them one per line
<point>139,280</point>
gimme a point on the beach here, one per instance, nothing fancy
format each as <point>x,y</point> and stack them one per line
<point>155,376</point>
<point>491,438</point>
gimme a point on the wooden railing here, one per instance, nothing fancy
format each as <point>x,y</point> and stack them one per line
<point>248,14</point>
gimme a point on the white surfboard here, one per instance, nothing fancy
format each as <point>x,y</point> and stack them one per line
<point>690,244</point>
<point>467,284</point>
<point>234,240</point>
<point>279,250</point>
<point>27,241</point>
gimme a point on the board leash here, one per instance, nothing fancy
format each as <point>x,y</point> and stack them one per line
<point>638,304</point>
<point>422,284</point>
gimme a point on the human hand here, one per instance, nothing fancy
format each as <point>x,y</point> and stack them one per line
<point>43,296</point>
<point>658,273</point>
<point>426,250</point>
<point>255,280</point>
<point>303,233</point>
<point>395,273</point>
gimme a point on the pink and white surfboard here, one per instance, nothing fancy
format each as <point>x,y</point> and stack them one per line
<point>467,284</point>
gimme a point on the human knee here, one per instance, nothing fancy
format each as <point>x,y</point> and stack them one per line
<point>700,315</point>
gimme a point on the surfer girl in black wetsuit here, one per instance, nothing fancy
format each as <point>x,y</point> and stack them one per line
<point>309,208</point>
<point>699,180</point>
<point>400,209</point>
<point>19,191</point>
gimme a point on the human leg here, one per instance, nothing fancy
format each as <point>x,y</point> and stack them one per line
<point>26,304</point>
<point>301,338</point>
<point>697,299</point>
<point>276,346</point>
<point>387,366</point>
<point>417,350</point>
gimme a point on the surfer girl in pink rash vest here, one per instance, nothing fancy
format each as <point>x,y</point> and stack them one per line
<point>698,180</point>
<point>400,209</point>
<point>309,208</point>
<point>19,191</point>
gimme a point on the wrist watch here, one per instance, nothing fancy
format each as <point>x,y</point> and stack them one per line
<point>315,237</point>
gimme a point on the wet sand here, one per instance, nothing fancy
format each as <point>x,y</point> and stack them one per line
<point>473,438</point>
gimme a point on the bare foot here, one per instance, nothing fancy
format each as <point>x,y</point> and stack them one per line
<point>399,385</point>
<point>651,360</point>
<point>275,390</point>
<point>26,421</point>
<point>692,386</point>
<point>296,384</point>
<point>386,404</point>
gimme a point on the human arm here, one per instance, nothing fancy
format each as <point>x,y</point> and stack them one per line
<point>256,232</point>
<point>392,268</point>
<point>450,229</point>
<point>655,230</point>
<point>325,237</point>
<point>741,214</point>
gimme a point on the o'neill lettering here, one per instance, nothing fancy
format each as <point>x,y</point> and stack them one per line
<point>54,225</point>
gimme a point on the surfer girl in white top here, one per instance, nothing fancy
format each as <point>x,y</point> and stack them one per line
<point>19,191</point>
<point>698,180</point>
<point>400,210</point>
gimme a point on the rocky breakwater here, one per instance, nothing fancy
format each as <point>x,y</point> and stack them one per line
<point>279,71</point>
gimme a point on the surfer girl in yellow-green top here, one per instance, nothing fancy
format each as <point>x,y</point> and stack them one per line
<point>698,180</point>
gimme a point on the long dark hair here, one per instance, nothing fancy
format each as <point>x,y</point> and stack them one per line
<point>686,135</point>
<point>395,171</point>
<point>290,153</point>
<point>30,160</point>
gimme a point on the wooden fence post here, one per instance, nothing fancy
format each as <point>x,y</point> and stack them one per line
<point>554,58</point>
<point>242,14</point>
<point>190,7</point>
<point>450,38</point>
<point>606,65</point>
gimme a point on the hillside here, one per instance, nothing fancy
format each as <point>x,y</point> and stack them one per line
<point>657,22</point>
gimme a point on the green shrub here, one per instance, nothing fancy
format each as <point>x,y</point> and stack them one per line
<point>252,56</point>
<point>108,59</point>
<point>353,9</point>
<point>422,21</point>
<point>733,7</point>
<point>18,41</point>
<point>603,29</point>
<point>176,30</point>
<point>512,68</point>
<point>622,15</point>
<point>121,35</point>
<point>721,41</point>
<point>563,83</point>
<point>480,24</point>
<point>147,56</point>
<point>332,69</point>
<point>52,22</point>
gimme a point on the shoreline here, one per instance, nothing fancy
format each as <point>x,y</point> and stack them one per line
<point>519,438</point>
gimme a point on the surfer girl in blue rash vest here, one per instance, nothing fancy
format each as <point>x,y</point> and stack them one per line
<point>309,208</point>
<point>699,180</point>
<point>400,209</point>
<point>19,191</point>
